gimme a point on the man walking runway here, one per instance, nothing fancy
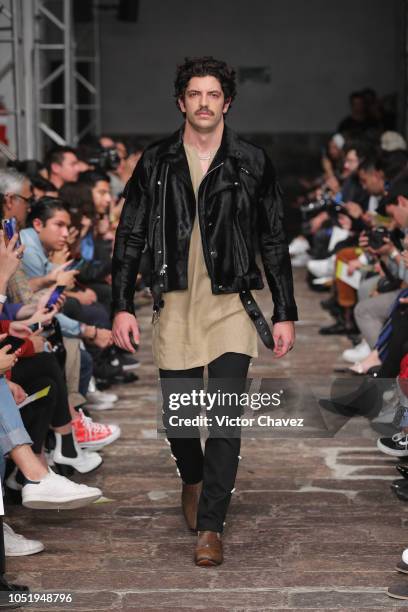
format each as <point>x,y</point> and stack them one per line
<point>204,200</point>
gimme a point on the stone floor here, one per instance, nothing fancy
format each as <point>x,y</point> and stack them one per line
<point>312,524</point>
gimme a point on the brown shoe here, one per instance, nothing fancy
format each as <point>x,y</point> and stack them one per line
<point>208,550</point>
<point>190,494</point>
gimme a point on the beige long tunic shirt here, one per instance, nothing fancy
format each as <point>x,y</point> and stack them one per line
<point>195,326</point>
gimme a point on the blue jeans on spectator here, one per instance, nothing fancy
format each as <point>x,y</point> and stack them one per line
<point>12,430</point>
<point>85,373</point>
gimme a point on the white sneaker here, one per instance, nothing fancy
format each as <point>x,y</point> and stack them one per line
<point>54,491</point>
<point>322,267</point>
<point>298,246</point>
<point>84,462</point>
<point>358,353</point>
<point>16,545</point>
<point>100,407</point>
<point>101,397</point>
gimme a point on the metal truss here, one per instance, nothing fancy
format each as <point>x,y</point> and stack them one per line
<point>55,70</point>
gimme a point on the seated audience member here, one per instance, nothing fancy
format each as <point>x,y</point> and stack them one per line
<point>62,165</point>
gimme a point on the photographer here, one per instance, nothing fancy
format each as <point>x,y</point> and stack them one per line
<point>387,248</point>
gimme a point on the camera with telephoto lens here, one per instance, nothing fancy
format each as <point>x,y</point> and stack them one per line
<point>105,159</point>
<point>376,237</point>
<point>325,203</point>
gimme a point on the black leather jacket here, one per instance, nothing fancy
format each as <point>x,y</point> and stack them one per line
<point>239,207</point>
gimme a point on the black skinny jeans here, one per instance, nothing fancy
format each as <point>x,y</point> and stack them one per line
<point>33,374</point>
<point>218,466</point>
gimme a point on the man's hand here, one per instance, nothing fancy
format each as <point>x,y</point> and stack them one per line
<point>61,276</point>
<point>103,338</point>
<point>20,330</point>
<point>284,337</point>
<point>125,324</point>
<point>60,257</point>
<point>317,221</point>
<point>352,266</point>
<point>38,341</point>
<point>43,317</point>
<point>18,392</point>
<point>7,359</point>
<point>43,301</point>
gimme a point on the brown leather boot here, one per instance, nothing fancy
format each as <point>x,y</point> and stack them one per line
<point>208,550</point>
<point>190,494</point>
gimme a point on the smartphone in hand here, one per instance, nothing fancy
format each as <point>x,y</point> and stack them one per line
<point>55,296</point>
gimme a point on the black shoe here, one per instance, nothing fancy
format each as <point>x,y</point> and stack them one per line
<point>103,383</point>
<point>128,362</point>
<point>338,328</point>
<point>402,469</point>
<point>399,483</point>
<point>119,357</point>
<point>398,591</point>
<point>401,493</point>
<point>402,567</point>
<point>397,446</point>
<point>104,370</point>
<point>125,377</point>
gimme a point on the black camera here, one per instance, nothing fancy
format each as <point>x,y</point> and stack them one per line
<point>376,237</point>
<point>105,159</point>
<point>326,203</point>
<point>311,209</point>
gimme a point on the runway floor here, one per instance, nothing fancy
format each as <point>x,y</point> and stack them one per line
<point>312,524</point>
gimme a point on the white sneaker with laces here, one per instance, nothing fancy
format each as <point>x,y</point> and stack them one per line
<point>397,446</point>
<point>54,491</point>
<point>16,545</point>
<point>358,353</point>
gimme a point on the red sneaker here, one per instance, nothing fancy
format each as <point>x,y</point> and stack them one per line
<point>93,435</point>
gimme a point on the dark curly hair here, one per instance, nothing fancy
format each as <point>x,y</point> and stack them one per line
<point>205,66</point>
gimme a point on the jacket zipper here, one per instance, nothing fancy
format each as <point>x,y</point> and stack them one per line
<point>164,265</point>
<point>203,237</point>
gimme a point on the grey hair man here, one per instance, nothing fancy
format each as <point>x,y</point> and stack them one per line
<point>15,195</point>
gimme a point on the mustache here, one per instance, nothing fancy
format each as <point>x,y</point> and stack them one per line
<point>204,109</point>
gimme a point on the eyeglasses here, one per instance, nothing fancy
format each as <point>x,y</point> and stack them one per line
<point>27,201</point>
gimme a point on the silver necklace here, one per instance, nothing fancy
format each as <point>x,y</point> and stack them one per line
<point>204,157</point>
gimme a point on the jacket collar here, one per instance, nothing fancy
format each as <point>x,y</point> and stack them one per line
<point>172,150</point>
